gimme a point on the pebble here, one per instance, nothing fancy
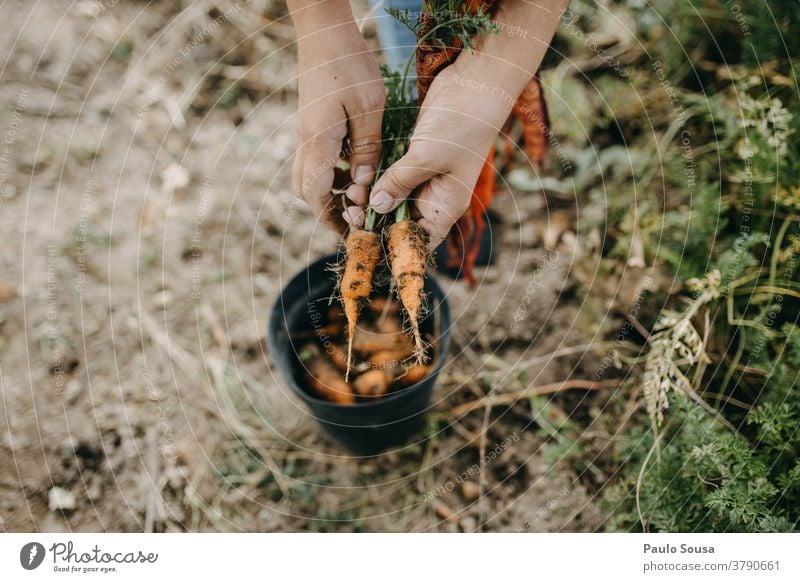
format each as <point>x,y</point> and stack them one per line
<point>73,390</point>
<point>60,499</point>
<point>470,491</point>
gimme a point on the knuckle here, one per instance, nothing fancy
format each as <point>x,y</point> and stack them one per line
<point>421,152</point>
<point>399,181</point>
<point>315,133</point>
<point>317,137</point>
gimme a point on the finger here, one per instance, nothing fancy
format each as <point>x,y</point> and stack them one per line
<point>399,181</point>
<point>435,234</point>
<point>441,203</point>
<point>358,194</point>
<point>364,128</point>
<point>354,216</point>
<point>320,156</point>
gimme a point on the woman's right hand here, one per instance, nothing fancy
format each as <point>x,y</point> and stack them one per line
<point>341,97</point>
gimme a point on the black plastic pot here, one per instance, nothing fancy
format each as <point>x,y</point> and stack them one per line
<point>364,428</point>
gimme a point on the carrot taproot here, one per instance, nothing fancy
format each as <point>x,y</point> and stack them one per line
<point>363,251</point>
<point>407,245</point>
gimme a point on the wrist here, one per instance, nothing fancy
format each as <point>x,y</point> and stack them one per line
<point>495,86</point>
<point>506,61</point>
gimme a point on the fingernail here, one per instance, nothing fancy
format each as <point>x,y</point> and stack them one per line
<point>354,215</point>
<point>363,175</point>
<point>381,201</point>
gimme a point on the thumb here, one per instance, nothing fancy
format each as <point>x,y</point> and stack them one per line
<point>400,180</point>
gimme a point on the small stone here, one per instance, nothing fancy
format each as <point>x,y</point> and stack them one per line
<point>174,478</point>
<point>528,235</point>
<point>470,491</point>
<point>94,491</point>
<point>162,299</point>
<point>570,241</point>
<point>72,390</point>
<point>174,177</point>
<point>468,523</point>
<point>60,499</point>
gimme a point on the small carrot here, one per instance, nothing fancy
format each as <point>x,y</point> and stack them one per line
<point>415,373</point>
<point>407,256</point>
<point>368,342</point>
<point>326,381</point>
<point>388,358</point>
<point>379,304</point>
<point>335,313</point>
<point>388,325</point>
<point>338,356</point>
<point>372,383</point>
<point>363,251</point>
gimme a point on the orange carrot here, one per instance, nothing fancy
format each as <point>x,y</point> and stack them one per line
<point>338,356</point>
<point>414,374</point>
<point>388,358</point>
<point>326,381</point>
<point>363,251</point>
<point>379,304</point>
<point>389,325</point>
<point>372,383</point>
<point>407,256</point>
<point>367,342</point>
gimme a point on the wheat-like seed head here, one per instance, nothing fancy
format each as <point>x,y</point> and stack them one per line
<point>674,347</point>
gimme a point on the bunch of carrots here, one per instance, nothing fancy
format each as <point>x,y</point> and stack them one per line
<point>405,242</point>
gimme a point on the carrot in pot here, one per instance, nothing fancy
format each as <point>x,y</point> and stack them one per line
<point>324,379</point>
<point>367,342</point>
<point>338,356</point>
<point>372,383</point>
<point>381,304</point>
<point>414,374</point>
<point>389,325</point>
<point>362,253</point>
<point>407,244</point>
<point>389,358</point>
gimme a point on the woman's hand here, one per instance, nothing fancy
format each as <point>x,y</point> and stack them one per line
<point>457,126</point>
<point>465,108</point>
<point>341,97</point>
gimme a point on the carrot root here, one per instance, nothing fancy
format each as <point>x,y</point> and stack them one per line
<point>407,245</point>
<point>363,251</point>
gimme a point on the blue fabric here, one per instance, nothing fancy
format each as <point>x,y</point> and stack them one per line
<point>397,41</point>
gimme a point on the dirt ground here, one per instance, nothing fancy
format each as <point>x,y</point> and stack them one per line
<point>148,227</point>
